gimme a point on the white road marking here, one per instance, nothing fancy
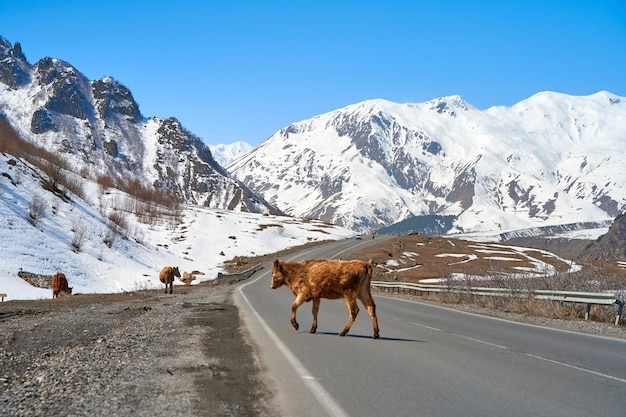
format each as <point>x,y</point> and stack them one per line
<point>325,399</point>
<point>425,327</point>
<point>589,371</point>
<point>479,341</point>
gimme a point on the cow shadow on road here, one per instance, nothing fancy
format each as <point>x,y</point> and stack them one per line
<point>363,336</point>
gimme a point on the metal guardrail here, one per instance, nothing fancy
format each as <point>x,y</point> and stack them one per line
<point>589,298</point>
<point>238,276</point>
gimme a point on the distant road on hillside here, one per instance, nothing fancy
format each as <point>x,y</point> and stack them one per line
<point>429,361</point>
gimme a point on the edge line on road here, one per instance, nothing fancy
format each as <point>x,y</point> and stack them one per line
<point>323,397</point>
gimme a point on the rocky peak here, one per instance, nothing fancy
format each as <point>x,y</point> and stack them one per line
<point>46,70</point>
<point>185,164</point>
<point>448,105</point>
<point>112,98</point>
<point>17,52</point>
<point>68,95</point>
<point>4,46</point>
<point>13,64</point>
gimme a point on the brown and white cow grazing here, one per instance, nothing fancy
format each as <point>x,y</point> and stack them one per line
<point>167,276</point>
<point>59,285</point>
<point>323,278</point>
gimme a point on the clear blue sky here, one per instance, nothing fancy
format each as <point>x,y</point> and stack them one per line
<point>241,70</point>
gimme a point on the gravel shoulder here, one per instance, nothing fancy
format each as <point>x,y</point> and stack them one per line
<point>134,354</point>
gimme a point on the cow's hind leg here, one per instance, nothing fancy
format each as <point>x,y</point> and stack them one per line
<point>368,302</point>
<point>172,286</point>
<point>353,308</point>
<point>297,303</point>
<point>315,309</point>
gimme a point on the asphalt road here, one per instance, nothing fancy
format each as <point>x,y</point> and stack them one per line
<point>429,360</point>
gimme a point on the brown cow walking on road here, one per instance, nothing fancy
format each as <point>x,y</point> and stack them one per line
<point>323,278</point>
<point>59,285</point>
<point>167,276</point>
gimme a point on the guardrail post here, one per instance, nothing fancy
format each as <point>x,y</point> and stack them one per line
<point>620,311</point>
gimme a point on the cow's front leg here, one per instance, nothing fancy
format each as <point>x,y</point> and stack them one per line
<point>315,309</point>
<point>299,300</point>
<point>353,308</point>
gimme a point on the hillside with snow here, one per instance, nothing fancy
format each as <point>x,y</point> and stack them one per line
<point>44,232</point>
<point>98,128</point>
<point>548,160</point>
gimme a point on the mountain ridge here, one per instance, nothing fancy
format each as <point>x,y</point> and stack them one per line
<point>549,159</point>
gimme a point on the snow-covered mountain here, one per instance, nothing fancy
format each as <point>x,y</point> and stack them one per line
<point>225,153</point>
<point>550,159</point>
<point>97,127</point>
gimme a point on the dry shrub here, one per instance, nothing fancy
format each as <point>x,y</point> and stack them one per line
<point>74,183</point>
<point>109,238</point>
<point>148,203</point>
<point>105,182</point>
<point>37,209</point>
<point>52,164</point>
<point>80,231</point>
<point>141,192</point>
<point>521,301</point>
<point>118,221</point>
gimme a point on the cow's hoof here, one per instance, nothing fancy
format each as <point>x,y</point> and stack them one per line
<point>342,334</point>
<point>312,330</point>
<point>295,325</point>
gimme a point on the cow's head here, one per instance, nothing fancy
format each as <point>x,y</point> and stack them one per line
<point>69,290</point>
<point>278,279</point>
<point>176,272</point>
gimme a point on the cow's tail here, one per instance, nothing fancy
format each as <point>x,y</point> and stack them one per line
<point>369,272</point>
